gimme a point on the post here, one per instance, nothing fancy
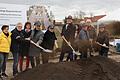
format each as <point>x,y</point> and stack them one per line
<point>97,27</point>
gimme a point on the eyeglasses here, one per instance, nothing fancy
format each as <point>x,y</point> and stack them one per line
<point>38,26</point>
<point>19,26</point>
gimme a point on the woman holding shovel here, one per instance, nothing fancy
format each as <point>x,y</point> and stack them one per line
<point>49,40</point>
<point>37,37</point>
<point>103,40</point>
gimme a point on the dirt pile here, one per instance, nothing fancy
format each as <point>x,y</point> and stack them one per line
<point>95,68</point>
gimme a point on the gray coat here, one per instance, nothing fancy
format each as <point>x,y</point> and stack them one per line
<point>38,38</point>
<point>84,35</point>
<point>83,41</point>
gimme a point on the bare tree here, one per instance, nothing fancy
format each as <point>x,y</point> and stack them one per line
<point>79,14</point>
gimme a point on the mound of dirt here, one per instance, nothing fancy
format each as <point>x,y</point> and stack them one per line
<point>95,68</point>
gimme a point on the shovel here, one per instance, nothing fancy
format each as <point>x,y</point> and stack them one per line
<point>45,50</point>
<point>102,45</point>
<point>74,53</point>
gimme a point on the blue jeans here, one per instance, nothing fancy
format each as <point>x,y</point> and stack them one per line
<point>3,60</point>
<point>15,62</point>
<point>70,57</point>
<point>83,55</point>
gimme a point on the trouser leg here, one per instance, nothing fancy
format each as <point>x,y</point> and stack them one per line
<point>1,62</point>
<point>27,62</point>
<point>37,60</point>
<point>15,63</point>
<point>45,58</point>
<point>61,56</point>
<point>21,63</point>
<point>4,63</point>
<point>32,61</point>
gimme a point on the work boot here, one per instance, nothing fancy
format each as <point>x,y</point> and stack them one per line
<point>1,78</point>
<point>15,73</point>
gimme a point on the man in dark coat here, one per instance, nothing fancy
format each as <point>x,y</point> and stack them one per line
<point>103,38</point>
<point>16,38</point>
<point>68,31</point>
<point>49,40</point>
<point>37,37</point>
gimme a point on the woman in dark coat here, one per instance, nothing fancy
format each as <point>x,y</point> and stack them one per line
<point>37,37</point>
<point>25,46</point>
<point>49,40</point>
<point>103,39</point>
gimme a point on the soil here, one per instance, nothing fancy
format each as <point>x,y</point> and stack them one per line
<point>95,68</point>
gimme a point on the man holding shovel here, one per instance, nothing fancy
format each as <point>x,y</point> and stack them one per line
<point>68,32</point>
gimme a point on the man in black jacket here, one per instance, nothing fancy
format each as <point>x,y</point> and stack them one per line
<point>16,38</point>
<point>68,32</point>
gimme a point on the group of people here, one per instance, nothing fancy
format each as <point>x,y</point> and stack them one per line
<point>18,42</point>
<point>82,38</point>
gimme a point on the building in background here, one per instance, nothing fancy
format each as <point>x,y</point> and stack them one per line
<point>40,13</point>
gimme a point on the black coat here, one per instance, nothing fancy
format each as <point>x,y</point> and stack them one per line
<point>16,38</point>
<point>69,34</point>
<point>49,40</point>
<point>103,38</point>
<point>25,45</point>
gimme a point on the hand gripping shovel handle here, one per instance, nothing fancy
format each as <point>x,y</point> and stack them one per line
<point>68,43</point>
<point>36,45</point>
<point>102,45</point>
<point>65,39</point>
<point>70,46</point>
<point>106,47</point>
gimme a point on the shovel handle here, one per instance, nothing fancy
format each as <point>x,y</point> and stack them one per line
<point>36,45</point>
<point>68,43</point>
<point>65,39</point>
<point>102,45</point>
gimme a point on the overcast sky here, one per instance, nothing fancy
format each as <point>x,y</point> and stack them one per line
<point>62,8</point>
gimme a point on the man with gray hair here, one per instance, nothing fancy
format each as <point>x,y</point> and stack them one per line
<point>16,38</point>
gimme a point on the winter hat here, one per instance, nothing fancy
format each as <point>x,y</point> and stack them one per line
<point>37,23</point>
<point>102,25</point>
<point>51,27</point>
<point>69,17</point>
